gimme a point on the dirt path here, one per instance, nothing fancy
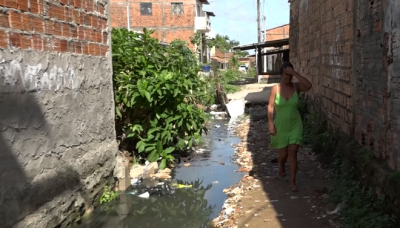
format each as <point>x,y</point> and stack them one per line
<point>262,199</point>
<point>256,93</point>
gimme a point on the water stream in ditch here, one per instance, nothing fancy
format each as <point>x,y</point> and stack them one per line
<point>190,200</point>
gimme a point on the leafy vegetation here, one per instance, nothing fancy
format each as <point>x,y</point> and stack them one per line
<point>157,90</point>
<point>361,207</point>
<point>108,195</point>
<point>196,38</point>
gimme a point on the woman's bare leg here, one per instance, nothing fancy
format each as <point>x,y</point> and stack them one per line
<point>293,163</point>
<point>283,155</point>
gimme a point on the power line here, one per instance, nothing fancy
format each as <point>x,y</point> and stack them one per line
<point>231,10</point>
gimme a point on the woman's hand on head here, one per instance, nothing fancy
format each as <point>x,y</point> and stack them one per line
<point>290,71</point>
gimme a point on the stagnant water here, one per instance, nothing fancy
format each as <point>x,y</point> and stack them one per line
<point>193,203</point>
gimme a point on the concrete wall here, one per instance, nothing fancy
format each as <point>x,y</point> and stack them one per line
<point>167,26</point>
<point>347,49</point>
<point>57,136</point>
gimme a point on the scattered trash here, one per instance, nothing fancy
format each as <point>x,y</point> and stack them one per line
<point>214,182</point>
<point>236,108</point>
<point>337,209</point>
<point>162,176</point>
<point>134,181</point>
<point>176,185</point>
<point>217,126</point>
<point>257,172</point>
<point>144,195</point>
<point>133,192</point>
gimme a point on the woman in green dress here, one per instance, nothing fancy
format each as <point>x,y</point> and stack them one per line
<point>287,128</point>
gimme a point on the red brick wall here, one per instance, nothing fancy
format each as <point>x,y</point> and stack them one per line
<point>320,49</point>
<point>43,25</point>
<point>218,53</point>
<point>278,33</point>
<point>355,81</point>
<point>168,27</point>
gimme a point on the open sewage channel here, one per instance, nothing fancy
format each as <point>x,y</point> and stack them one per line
<point>191,199</point>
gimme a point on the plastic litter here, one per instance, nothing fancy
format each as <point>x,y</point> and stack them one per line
<point>176,185</point>
<point>144,195</point>
<point>134,181</point>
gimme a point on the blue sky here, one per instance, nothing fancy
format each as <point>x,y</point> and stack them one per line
<point>238,18</point>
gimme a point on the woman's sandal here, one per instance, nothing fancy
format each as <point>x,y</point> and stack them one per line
<point>294,188</point>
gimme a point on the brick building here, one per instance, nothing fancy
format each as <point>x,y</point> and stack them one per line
<point>170,19</point>
<point>349,50</point>
<point>277,33</point>
<point>57,133</point>
<point>221,57</point>
<point>272,63</point>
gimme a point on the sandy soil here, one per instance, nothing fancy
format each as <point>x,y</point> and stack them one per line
<point>256,93</point>
<point>263,199</point>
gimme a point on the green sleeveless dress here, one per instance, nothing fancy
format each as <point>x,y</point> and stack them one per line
<point>288,124</point>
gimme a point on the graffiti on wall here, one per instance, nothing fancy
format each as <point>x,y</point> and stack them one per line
<point>38,77</point>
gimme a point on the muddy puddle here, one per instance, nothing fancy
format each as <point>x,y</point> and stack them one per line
<point>190,200</point>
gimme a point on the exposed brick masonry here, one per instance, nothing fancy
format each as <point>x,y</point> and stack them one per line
<point>280,32</point>
<point>75,26</point>
<point>167,25</point>
<point>352,85</point>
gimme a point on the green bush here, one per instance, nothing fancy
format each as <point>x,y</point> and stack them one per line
<point>157,89</point>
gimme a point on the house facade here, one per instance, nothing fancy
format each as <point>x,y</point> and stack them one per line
<point>271,63</point>
<point>220,57</point>
<point>169,19</point>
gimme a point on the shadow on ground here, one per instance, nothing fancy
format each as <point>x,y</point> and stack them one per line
<point>244,81</point>
<point>260,97</point>
<point>285,209</point>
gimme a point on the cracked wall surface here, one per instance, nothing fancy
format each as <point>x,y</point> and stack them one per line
<point>349,49</point>
<point>57,135</point>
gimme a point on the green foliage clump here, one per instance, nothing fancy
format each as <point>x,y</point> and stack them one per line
<point>108,195</point>
<point>157,92</point>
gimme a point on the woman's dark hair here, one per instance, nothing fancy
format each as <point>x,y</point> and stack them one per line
<point>284,65</point>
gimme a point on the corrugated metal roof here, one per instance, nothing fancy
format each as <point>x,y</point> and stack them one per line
<point>272,43</point>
